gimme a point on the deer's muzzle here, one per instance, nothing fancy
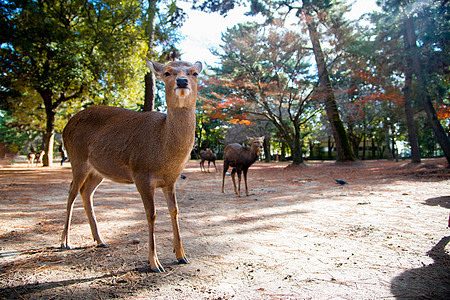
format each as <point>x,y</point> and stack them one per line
<point>182,82</point>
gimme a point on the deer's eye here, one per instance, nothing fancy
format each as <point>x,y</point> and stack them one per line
<point>195,74</point>
<point>167,74</point>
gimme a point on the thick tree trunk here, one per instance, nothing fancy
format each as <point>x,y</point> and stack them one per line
<point>150,83</point>
<point>150,91</point>
<point>47,160</point>
<point>343,147</point>
<point>439,132</point>
<point>296,150</point>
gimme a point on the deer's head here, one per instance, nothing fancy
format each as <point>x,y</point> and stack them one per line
<point>180,79</point>
<point>256,144</point>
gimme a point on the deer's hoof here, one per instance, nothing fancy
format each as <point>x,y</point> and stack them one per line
<point>102,245</point>
<point>158,270</point>
<point>65,247</point>
<point>183,260</point>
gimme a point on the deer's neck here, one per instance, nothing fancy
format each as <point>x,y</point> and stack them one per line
<point>180,129</point>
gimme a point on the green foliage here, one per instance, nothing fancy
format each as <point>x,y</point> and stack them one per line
<point>60,55</point>
<point>265,73</point>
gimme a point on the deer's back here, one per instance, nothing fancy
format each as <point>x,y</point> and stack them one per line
<point>117,142</point>
<point>239,156</point>
<point>207,155</point>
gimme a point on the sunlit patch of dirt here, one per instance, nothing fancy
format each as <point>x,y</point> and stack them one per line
<point>298,235</point>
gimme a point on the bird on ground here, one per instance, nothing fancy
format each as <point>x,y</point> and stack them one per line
<point>341,182</point>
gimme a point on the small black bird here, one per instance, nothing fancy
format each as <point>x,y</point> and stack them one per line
<point>341,182</point>
<point>183,176</point>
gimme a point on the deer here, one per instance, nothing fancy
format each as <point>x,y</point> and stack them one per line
<point>30,158</point>
<point>38,156</point>
<point>240,158</point>
<point>149,149</point>
<point>209,156</point>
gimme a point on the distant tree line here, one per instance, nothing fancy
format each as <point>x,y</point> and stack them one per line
<point>327,87</point>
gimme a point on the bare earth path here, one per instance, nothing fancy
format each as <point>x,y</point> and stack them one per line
<point>298,235</point>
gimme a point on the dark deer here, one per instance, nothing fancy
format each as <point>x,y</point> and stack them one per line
<point>39,155</point>
<point>240,158</point>
<point>149,149</point>
<point>209,156</point>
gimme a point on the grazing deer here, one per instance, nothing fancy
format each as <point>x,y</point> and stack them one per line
<point>240,159</point>
<point>209,156</point>
<point>149,149</point>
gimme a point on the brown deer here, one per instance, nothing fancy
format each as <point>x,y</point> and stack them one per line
<point>30,158</point>
<point>240,159</point>
<point>149,149</point>
<point>209,156</point>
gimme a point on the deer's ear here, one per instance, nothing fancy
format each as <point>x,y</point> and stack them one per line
<point>262,138</point>
<point>198,65</point>
<point>156,67</point>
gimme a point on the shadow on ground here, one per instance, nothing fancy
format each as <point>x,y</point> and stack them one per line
<point>428,282</point>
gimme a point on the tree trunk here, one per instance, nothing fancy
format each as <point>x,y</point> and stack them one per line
<point>47,160</point>
<point>150,91</point>
<point>343,147</point>
<point>296,150</point>
<point>363,156</point>
<point>283,151</point>
<point>330,148</point>
<point>266,145</point>
<point>387,141</point>
<point>150,83</point>
<point>412,134</point>
<point>438,130</point>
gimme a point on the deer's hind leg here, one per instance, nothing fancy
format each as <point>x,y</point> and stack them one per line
<point>245,180</point>
<point>202,165</point>
<point>79,175</point>
<point>239,172</point>
<point>233,178</point>
<point>87,190</point>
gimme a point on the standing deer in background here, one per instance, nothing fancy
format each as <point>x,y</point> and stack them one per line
<point>209,156</point>
<point>30,158</point>
<point>240,159</point>
<point>149,149</point>
<point>39,155</point>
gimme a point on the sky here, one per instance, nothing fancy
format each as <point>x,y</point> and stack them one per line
<point>203,31</point>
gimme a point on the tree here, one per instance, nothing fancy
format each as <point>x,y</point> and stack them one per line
<point>161,20</point>
<point>67,50</point>
<point>311,12</point>
<point>431,35</point>
<point>265,72</point>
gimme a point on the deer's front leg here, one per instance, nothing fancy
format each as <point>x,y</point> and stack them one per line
<point>147,190</point>
<point>171,198</point>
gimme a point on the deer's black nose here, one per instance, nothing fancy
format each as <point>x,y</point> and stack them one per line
<point>182,82</point>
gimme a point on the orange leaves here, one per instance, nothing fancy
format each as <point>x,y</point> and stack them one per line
<point>244,122</point>
<point>367,77</point>
<point>443,112</point>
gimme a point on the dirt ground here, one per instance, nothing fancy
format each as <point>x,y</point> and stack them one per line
<point>299,235</point>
